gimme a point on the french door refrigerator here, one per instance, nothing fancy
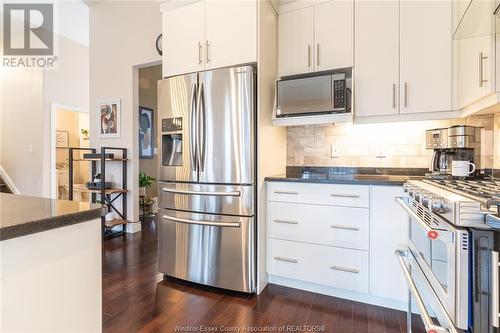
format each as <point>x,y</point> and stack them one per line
<point>207,195</point>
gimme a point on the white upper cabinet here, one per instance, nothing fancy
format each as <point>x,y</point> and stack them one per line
<point>376,58</point>
<point>425,56</point>
<point>183,43</point>
<point>316,38</point>
<point>208,34</point>
<point>403,57</point>
<point>333,34</point>
<point>231,32</point>
<point>295,41</point>
<point>475,69</point>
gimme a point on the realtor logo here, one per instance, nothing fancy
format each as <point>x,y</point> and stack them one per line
<point>28,29</point>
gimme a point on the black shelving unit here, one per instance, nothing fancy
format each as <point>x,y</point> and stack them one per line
<point>108,197</point>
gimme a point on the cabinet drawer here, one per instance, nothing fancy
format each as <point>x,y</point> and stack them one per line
<point>334,267</point>
<point>326,225</point>
<point>320,194</point>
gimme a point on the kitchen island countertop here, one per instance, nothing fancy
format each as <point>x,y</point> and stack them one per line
<point>24,215</point>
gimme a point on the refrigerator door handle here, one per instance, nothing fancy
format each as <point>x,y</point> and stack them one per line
<point>205,223</point>
<point>201,128</point>
<point>192,128</point>
<point>207,193</point>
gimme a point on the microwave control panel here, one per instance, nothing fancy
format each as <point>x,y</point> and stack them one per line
<point>339,91</point>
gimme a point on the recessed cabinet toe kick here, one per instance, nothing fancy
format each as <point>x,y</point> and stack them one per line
<point>207,190</point>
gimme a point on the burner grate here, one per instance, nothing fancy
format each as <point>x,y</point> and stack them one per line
<point>487,190</point>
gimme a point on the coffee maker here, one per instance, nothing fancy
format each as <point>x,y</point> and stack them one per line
<point>459,142</point>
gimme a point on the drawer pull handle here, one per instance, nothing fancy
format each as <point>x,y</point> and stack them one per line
<point>344,227</point>
<point>293,261</point>
<point>344,269</point>
<point>286,221</point>
<point>285,192</point>
<point>355,196</point>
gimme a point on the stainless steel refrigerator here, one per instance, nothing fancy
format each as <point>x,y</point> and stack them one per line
<point>207,195</point>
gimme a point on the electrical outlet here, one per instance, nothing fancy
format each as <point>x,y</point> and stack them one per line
<point>335,151</point>
<point>380,151</point>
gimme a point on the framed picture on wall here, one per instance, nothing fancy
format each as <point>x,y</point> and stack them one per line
<point>146,132</point>
<point>62,139</point>
<point>109,113</point>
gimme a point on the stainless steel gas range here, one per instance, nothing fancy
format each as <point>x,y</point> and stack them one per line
<point>451,264</point>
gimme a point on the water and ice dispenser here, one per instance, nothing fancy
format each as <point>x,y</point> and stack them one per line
<point>171,141</point>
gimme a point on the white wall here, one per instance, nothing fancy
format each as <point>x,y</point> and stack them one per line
<point>26,97</point>
<point>122,36</point>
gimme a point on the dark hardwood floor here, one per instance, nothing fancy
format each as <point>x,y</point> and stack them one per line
<point>136,299</point>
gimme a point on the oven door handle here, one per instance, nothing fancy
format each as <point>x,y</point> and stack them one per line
<point>426,318</point>
<point>431,233</point>
<point>494,290</point>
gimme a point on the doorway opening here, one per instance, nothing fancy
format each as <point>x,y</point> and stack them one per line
<point>70,128</point>
<point>148,139</point>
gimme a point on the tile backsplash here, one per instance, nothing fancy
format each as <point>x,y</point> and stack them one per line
<point>397,144</point>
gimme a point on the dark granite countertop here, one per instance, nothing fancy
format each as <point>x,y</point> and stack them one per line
<point>339,175</point>
<point>23,215</point>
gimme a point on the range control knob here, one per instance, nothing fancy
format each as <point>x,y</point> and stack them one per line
<point>407,187</point>
<point>436,205</point>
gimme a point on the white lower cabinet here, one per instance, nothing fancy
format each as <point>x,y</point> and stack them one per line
<point>332,266</point>
<point>344,242</point>
<point>346,227</point>
<point>388,232</point>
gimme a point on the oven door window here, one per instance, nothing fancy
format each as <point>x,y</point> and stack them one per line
<point>433,252</point>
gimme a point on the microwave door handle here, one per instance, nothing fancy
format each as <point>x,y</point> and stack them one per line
<point>426,318</point>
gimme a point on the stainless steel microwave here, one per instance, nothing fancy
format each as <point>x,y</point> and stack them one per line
<point>320,93</point>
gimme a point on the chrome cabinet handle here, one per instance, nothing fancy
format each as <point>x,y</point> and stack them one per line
<point>344,227</point>
<point>293,261</point>
<point>200,61</point>
<point>317,54</point>
<point>344,269</point>
<point>482,57</point>
<point>188,192</point>
<point>205,223</point>
<point>192,131</point>
<point>406,94</point>
<point>393,95</point>
<point>308,55</point>
<point>339,195</point>
<point>285,192</point>
<point>495,306</point>
<point>286,221</point>
<point>426,318</point>
<point>208,52</point>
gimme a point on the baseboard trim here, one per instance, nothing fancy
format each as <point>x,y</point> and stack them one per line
<point>340,293</point>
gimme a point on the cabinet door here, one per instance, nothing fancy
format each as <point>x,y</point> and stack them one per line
<point>388,232</point>
<point>425,56</point>
<point>295,41</point>
<point>471,69</point>
<point>376,58</point>
<point>231,32</point>
<point>183,43</point>
<point>333,32</point>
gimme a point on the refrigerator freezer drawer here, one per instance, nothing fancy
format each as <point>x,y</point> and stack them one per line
<point>208,249</point>
<point>208,198</point>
